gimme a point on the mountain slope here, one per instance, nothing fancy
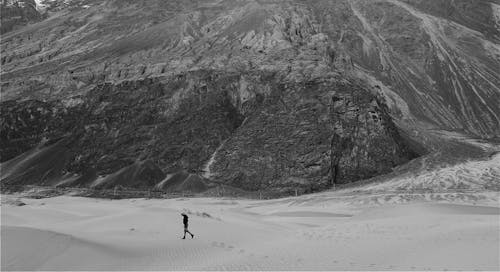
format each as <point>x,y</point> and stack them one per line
<point>15,14</point>
<point>440,55</point>
<point>244,92</point>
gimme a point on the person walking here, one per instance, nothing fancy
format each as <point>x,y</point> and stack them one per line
<point>185,222</point>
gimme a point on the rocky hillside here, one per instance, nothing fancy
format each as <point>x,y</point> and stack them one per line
<point>255,131</point>
<point>17,13</point>
<point>259,95</point>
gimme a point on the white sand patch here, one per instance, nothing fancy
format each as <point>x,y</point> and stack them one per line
<point>470,182</point>
<point>72,233</point>
<point>207,173</point>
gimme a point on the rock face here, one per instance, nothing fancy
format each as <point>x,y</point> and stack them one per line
<point>256,94</point>
<point>441,57</point>
<point>15,13</point>
<point>256,131</point>
<point>435,61</point>
<point>309,137</point>
<point>177,123</point>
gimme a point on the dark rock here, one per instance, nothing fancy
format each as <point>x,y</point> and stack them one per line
<point>312,137</point>
<point>42,165</point>
<point>260,130</point>
<point>139,175</point>
<point>18,203</point>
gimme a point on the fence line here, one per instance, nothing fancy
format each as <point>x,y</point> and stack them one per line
<point>115,192</point>
<point>120,192</point>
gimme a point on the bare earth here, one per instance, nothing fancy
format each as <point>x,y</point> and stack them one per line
<point>72,233</point>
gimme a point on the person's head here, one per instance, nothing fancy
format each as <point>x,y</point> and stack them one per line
<point>183,214</point>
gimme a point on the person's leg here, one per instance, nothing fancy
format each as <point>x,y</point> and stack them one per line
<point>185,230</point>
<point>192,235</point>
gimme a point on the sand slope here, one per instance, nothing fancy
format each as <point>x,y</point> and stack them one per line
<point>71,233</point>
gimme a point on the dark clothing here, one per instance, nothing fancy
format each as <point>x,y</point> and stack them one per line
<point>185,222</point>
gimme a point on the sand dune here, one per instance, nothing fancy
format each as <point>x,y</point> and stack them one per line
<point>71,233</point>
<point>31,249</point>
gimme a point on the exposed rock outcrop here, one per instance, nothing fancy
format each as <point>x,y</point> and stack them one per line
<point>311,136</point>
<point>16,13</point>
<point>256,130</point>
<point>256,94</point>
<point>436,60</point>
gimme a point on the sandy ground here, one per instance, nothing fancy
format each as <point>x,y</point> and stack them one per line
<point>72,233</point>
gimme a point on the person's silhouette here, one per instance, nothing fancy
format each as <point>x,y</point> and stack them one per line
<point>185,222</point>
